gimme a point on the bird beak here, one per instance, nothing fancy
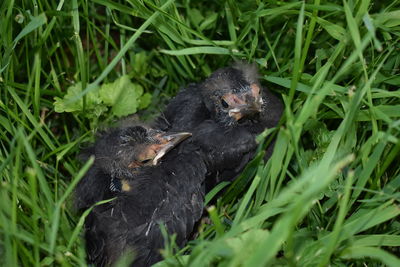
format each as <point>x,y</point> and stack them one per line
<point>243,111</point>
<point>168,142</point>
<point>245,105</point>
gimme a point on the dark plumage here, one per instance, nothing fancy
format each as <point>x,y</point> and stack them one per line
<point>232,97</point>
<point>171,193</point>
<point>118,152</point>
<point>224,113</point>
<point>227,96</point>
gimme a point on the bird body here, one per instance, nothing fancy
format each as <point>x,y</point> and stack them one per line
<point>171,193</point>
<point>232,97</point>
<point>224,113</point>
<point>118,152</point>
<point>185,111</point>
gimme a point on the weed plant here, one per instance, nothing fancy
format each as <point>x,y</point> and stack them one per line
<point>329,195</point>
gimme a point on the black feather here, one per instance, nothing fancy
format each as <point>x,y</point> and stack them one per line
<point>202,101</point>
<point>171,194</point>
<point>113,151</point>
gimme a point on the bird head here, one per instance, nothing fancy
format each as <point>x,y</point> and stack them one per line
<point>233,93</point>
<point>149,145</point>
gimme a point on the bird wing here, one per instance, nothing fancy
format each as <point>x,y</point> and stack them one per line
<point>92,188</point>
<point>172,196</point>
<point>184,112</point>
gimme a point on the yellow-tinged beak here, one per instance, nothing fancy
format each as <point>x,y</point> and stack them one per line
<point>168,142</point>
<point>244,105</point>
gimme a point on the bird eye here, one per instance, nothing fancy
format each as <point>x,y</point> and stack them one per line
<point>224,104</point>
<point>145,161</point>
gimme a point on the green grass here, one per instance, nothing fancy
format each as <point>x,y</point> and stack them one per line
<point>329,195</point>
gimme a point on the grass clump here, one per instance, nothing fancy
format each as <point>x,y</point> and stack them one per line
<point>328,195</point>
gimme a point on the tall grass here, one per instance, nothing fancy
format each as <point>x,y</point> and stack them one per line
<point>329,195</point>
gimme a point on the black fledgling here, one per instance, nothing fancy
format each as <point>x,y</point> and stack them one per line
<point>118,152</point>
<point>234,98</point>
<point>227,96</point>
<point>171,193</point>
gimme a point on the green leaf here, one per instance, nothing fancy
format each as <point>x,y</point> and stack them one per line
<point>199,50</point>
<point>63,105</point>
<point>352,24</point>
<point>35,23</point>
<point>122,95</point>
<point>195,16</point>
<point>371,252</point>
<point>246,243</point>
<point>69,104</point>
<point>332,29</point>
<point>214,192</point>
<point>388,19</point>
<point>140,63</point>
<point>209,22</point>
<point>145,101</point>
<point>376,240</point>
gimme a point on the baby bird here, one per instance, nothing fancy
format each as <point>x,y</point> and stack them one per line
<point>170,193</point>
<point>232,97</point>
<point>117,152</point>
<point>224,113</point>
<point>227,96</point>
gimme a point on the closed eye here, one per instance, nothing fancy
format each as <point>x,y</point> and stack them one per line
<point>145,161</point>
<point>224,104</point>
